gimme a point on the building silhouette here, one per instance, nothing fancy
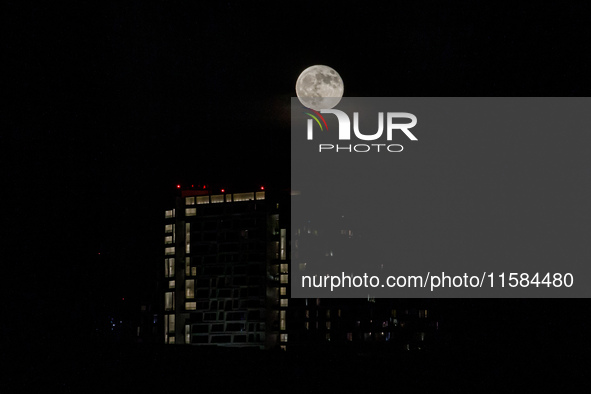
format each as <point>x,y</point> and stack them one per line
<point>226,267</point>
<point>227,262</point>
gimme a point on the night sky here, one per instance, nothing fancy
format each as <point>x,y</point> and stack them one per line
<point>112,104</point>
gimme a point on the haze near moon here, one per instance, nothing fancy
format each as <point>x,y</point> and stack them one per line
<point>319,87</point>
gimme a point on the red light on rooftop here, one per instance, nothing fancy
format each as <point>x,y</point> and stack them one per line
<point>178,186</point>
<point>192,185</point>
<point>262,187</point>
<point>223,190</point>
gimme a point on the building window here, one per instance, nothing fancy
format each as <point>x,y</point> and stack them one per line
<point>284,268</point>
<point>283,291</point>
<point>168,228</point>
<point>307,325</point>
<point>190,288</point>
<point>190,211</point>
<point>284,279</point>
<point>169,268</point>
<point>188,266</point>
<point>191,306</point>
<point>171,284</point>
<point>328,325</point>
<point>168,239</point>
<point>169,214</point>
<point>282,322</point>
<point>282,239</point>
<point>243,196</point>
<point>217,198</point>
<point>171,340</point>
<point>189,200</point>
<point>202,200</point>
<point>260,195</point>
<point>171,320</point>
<point>188,238</point>
<point>193,271</point>
<point>187,333</point>
<point>283,337</point>
<point>169,251</point>
<point>169,301</point>
<point>284,303</point>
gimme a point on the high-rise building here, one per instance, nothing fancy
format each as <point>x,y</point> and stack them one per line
<point>226,263</point>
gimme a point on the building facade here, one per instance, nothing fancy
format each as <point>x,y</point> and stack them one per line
<point>226,268</point>
<point>227,261</point>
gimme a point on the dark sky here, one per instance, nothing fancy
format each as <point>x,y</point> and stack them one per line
<point>111,104</point>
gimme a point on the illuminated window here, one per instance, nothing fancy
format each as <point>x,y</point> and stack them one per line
<point>166,328</point>
<point>169,301</point>
<point>168,228</point>
<point>328,313</point>
<point>282,323</point>
<point>193,271</point>
<point>284,279</point>
<point>171,284</point>
<point>188,238</point>
<point>168,239</point>
<point>189,200</point>
<point>307,314</point>
<point>171,320</point>
<point>284,302</point>
<point>339,313</point>
<point>284,268</point>
<point>190,211</point>
<point>243,196</point>
<point>283,337</point>
<point>349,336</point>
<point>260,195</point>
<point>169,251</point>
<point>283,291</point>
<point>328,337</point>
<point>191,306</point>
<point>217,198</point>
<point>282,238</point>
<point>188,266</point>
<point>328,325</point>
<point>190,288</point>
<point>171,340</point>
<point>307,325</point>
<point>187,333</point>
<point>169,268</point>
<point>284,348</point>
<point>202,200</point>
<point>169,214</point>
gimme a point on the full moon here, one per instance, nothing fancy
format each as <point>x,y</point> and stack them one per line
<point>319,87</point>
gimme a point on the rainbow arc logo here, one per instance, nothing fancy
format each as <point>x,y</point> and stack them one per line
<point>316,118</point>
